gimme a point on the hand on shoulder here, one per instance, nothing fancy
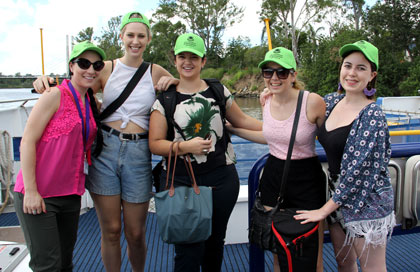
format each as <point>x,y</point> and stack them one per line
<point>162,79</point>
<point>42,84</point>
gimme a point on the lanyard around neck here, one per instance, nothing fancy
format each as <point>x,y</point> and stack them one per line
<point>85,133</point>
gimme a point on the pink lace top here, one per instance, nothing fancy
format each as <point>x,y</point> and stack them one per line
<point>277,133</point>
<point>59,152</point>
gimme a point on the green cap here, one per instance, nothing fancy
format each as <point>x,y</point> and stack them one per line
<point>190,42</point>
<point>280,55</point>
<point>79,48</point>
<point>368,49</point>
<point>126,20</point>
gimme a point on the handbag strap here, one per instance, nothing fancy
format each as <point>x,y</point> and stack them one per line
<point>290,150</point>
<point>169,165</point>
<point>188,165</point>
<point>126,92</point>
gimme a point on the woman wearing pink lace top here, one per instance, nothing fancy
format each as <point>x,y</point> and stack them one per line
<point>306,180</point>
<point>54,155</point>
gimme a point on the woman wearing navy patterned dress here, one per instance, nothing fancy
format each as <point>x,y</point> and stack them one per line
<point>356,140</point>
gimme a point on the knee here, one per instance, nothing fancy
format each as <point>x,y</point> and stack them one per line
<point>136,236</point>
<point>346,263</point>
<point>112,233</point>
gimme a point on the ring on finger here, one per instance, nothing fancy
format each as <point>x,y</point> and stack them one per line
<point>205,150</point>
<point>34,212</point>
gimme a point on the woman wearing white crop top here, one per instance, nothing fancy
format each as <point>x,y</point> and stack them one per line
<point>306,179</point>
<point>120,178</point>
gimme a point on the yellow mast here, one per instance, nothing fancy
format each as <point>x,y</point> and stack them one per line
<point>42,53</point>
<point>267,26</point>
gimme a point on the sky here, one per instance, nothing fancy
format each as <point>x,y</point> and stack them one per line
<point>21,20</point>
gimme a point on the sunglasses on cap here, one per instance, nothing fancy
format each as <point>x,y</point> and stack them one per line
<point>281,73</point>
<point>85,64</point>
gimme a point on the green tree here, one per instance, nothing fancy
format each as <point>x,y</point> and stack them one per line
<point>110,41</point>
<point>289,20</point>
<point>208,19</point>
<point>394,27</point>
<point>254,55</point>
<point>357,8</point>
<point>162,44</point>
<point>411,85</point>
<point>85,35</point>
<point>235,52</point>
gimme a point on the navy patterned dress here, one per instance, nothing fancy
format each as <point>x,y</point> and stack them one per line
<point>364,191</point>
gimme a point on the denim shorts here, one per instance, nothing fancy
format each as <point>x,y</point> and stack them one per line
<point>123,168</point>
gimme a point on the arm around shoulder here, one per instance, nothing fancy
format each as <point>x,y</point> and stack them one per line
<point>239,119</point>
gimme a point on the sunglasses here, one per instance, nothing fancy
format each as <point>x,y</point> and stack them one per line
<point>85,64</point>
<point>281,73</point>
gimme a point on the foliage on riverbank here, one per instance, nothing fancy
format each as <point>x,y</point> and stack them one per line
<point>315,38</point>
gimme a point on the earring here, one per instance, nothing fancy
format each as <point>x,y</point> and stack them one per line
<point>340,88</point>
<point>369,92</point>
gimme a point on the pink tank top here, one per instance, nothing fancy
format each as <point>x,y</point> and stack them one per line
<point>59,152</point>
<point>277,133</point>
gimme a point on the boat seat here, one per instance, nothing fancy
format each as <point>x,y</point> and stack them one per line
<point>411,192</point>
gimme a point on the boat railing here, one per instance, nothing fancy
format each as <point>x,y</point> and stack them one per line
<point>401,117</point>
<point>24,101</point>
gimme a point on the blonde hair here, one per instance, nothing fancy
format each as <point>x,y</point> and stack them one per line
<point>137,15</point>
<point>298,85</point>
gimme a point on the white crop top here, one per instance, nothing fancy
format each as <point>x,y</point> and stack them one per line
<point>137,106</point>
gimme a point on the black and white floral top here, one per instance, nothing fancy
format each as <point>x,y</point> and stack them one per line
<point>197,114</point>
<point>364,191</point>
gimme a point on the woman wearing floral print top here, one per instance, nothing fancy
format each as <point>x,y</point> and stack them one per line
<point>213,158</point>
<point>360,210</point>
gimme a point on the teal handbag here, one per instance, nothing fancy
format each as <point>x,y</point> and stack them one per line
<point>184,214</point>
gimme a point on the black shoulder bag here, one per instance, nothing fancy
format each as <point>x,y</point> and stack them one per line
<point>118,102</point>
<point>277,230</point>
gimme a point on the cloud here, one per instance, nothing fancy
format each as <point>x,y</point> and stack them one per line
<point>21,20</point>
<point>250,25</point>
<point>20,46</point>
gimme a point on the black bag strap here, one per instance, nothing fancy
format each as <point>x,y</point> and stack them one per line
<point>290,150</point>
<point>126,92</point>
<point>169,102</point>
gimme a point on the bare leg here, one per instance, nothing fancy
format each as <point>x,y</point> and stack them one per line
<point>276,265</point>
<point>108,209</point>
<point>345,256</point>
<point>320,262</point>
<point>135,215</point>
<point>372,259</point>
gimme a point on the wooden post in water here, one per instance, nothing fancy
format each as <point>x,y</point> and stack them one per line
<point>42,53</point>
<point>267,26</point>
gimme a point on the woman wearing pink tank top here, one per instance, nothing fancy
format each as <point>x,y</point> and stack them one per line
<point>55,153</point>
<point>306,181</point>
<point>120,177</point>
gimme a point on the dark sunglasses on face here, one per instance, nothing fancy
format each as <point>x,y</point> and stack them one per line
<point>85,64</point>
<point>281,73</point>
